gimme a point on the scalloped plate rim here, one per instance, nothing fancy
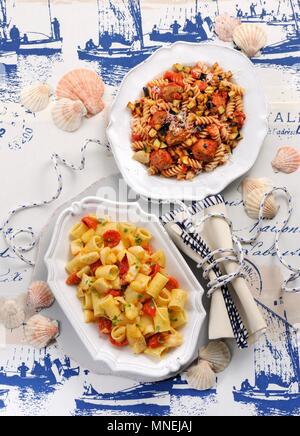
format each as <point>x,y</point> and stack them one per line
<point>221,183</point>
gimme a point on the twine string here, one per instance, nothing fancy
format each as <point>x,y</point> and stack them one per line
<point>10,235</point>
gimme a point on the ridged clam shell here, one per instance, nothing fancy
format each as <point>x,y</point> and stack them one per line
<point>67,114</point>
<point>40,331</point>
<point>250,38</point>
<point>225,25</point>
<point>201,376</point>
<point>217,354</point>
<point>287,160</point>
<point>39,296</point>
<point>84,85</point>
<point>251,183</point>
<point>12,314</point>
<point>252,204</point>
<point>36,97</point>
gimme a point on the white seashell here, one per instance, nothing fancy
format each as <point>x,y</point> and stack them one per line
<point>40,331</point>
<point>12,314</point>
<point>39,296</point>
<point>84,85</point>
<point>249,184</point>
<point>253,201</point>
<point>36,97</point>
<point>287,160</point>
<point>218,354</point>
<point>67,114</point>
<point>201,376</point>
<point>225,25</point>
<point>250,38</point>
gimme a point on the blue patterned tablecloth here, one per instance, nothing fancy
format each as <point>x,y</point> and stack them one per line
<point>51,37</point>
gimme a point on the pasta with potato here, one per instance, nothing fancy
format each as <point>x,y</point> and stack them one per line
<point>124,287</point>
<point>188,121</point>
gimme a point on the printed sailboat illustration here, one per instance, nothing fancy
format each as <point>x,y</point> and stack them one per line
<point>193,29</point>
<point>261,14</point>
<point>8,41</point>
<point>146,398</point>
<point>33,43</point>
<point>3,396</point>
<point>40,371</point>
<point>118,44</point>
<point>277,369</point>
<point>285,52</point>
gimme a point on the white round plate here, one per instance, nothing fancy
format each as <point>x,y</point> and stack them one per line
<point>106,358</point>
<point>244,156</point>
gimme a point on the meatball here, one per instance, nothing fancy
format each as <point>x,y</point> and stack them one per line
<point>176,137</point>
<point>171,92</point>
<point>158,119</point>
<point>205,149</point>
<point>160,159</point>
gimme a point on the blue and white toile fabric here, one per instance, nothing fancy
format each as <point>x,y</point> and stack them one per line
<point>48,39</point>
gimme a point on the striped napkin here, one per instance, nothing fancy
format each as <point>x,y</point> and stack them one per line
<point>233,311</point>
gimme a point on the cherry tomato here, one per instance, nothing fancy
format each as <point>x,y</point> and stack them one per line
<point>239,118</point>
<point>123,266</point>
<point>156,341</point>
<point>114,293</point>
<point>136,137</point>
<point>118,344</point>
<point>111,238</point>
<point>201,85</point>
<point>90,221</point>
<point>220,99</point>
<point>104,326</point>
<point>73,279</point>
<point>149,308</point>
<point>149,249</point>
<point>172,284</point>
<point>155,269</point>
<point>95,265</point>
<point>174,77</point>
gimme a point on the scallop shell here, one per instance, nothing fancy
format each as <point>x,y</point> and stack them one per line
<point>217,354</point>
<point>36,97</point>
<point>249,184</point>
<point>12,314</point>
<point>84,85</point>
<point>39,296</point>
<point>67,114</point>
<point>252,204</point>
<point>225,25</point>
<point>287,160</point>
<point>201,376</point>
<point>40,331</point>
<point>250,38</point>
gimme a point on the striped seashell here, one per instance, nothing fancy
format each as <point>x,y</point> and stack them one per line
<point>201,376</point>
<point>84,85</point>
<point>12,314</point>
<point>36,97</point>
<point>217,353</point>
<point>253,201</point>
<point>225,25</point>
<point>67,114</point>
<point>39,296</point>
<point>41,331</point>
<point>250,38</point>
<point>287,160</point>
<point>251,183</point>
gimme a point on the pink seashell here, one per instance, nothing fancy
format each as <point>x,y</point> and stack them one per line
<point>225,25</point>
<point>287,160</point>
<point>40,331</point>
<point>84,85</point>
<point>39,296</point>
